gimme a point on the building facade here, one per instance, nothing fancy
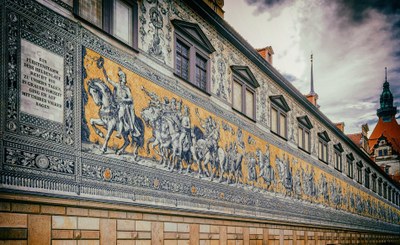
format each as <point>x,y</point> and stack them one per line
<point>384,141</point>
<point>154,122</point>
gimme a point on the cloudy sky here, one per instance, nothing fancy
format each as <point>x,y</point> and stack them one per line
<point>352,42</point>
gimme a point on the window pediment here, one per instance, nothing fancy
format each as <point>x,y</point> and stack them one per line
<point>324,135</point>
<point>280,101</point>
<point>338,147</point>
<point>194,32</point>
<point>245,74</point>
<point>350,156</point>
<point>359,164</point>
<point>374,175</point>
<point>368,170</point>
<point>305,121</point>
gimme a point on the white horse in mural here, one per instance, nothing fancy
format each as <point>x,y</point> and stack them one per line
<point>108,118</point>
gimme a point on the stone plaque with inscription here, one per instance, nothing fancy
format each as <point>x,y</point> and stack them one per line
<point>42,82</point>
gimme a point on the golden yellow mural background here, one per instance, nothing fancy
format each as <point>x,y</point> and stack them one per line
<point>141,100</point>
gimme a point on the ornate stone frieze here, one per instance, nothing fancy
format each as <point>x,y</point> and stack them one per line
<point>38,161</point>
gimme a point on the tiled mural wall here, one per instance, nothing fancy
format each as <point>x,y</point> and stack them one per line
<point>127,132</point>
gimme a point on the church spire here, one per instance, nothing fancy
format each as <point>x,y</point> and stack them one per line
<point>312,96</point>
<point>385,74</point>
<point>386,110</point>
<point>312,92</point>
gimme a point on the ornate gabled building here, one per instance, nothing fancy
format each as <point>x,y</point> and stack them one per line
<point>384,141</point>
<point>154,122</point>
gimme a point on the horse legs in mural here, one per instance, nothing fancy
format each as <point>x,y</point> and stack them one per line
<point>154,142</point>
<point>110,126</point>
<point>126,143</point>
<point>218,163</point>
<point>98,122</point>
<point>207,164</point>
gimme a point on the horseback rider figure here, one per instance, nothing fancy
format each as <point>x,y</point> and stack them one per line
<point>126,111</point>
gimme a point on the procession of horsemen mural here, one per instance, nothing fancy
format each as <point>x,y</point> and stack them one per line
<point>128,117</point>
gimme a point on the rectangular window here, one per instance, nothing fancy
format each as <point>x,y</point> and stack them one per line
<point>320,152</point>
<point>92,11</point>
<point>300,137</point>
<point>304,138</point>
<point>249,103</point>
<point>350,168</point>
<point>337,157</point>
<point>279,109</point>
<point>278,122</point>
<point>385,190</point>
<point>122,29</point>
<point>359,174</point>
<point>237,96</point>
<point>192,49</point>
<point>323,151</point>
<point>380,187</point>
<point>282,125</point>
<point>274,120</point>
<point>374,184</point>
<point>243,98</point>
<point>307,141</point>
<point>115,17</point>
<point>201,72</point>
<point>182,60</point>
<point>366,179</point>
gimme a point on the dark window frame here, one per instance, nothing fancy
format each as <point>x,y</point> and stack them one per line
<point>245,86</point>
<point>182,44</point>
<point>280,113</point>
<point>338,163</point>
<point>323,141</point>
<point>304,128</point>
<point>304,131</point>
<point>359,172</point>
<point>278,103</point>
<point>380,186</point>
<point>108,18</point>
<point>194,51</point>
<point>374,182</point>
<point>323,154</point>
<point>350,165</point>
<point>367,172</point>
<point>385,190</point>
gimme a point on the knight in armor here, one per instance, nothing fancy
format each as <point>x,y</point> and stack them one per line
<point>126,111</point>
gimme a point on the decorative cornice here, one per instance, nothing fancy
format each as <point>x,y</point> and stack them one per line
<point>194,32</point>
<point>245,73</point>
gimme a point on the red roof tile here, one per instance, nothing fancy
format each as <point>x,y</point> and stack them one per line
<point>391,130</point>
<point>356,138</point>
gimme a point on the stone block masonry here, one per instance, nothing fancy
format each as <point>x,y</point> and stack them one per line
<point>39,220</point>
